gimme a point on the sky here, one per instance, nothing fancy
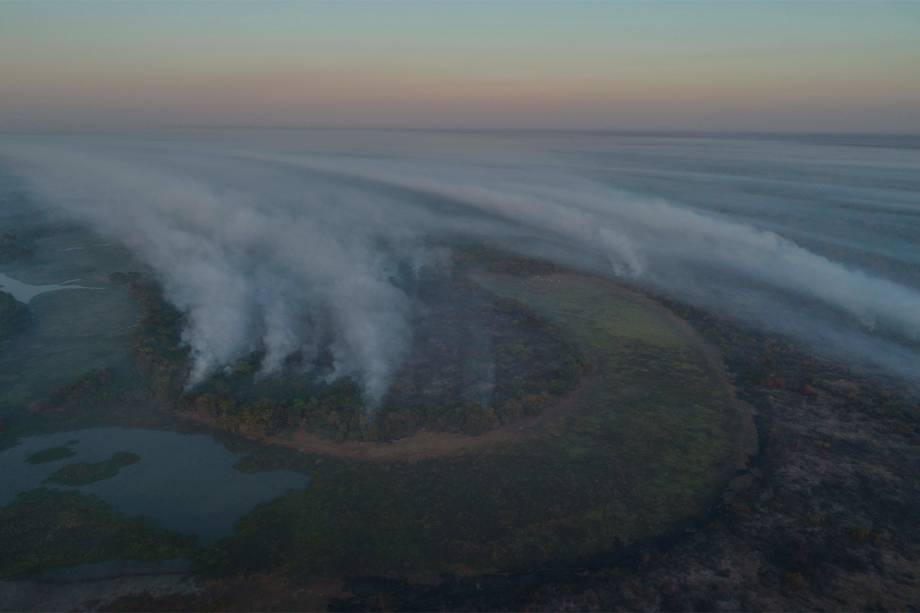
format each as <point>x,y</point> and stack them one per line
<point>729,66</point>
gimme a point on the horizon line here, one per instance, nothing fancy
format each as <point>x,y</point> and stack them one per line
<point>458,129</point>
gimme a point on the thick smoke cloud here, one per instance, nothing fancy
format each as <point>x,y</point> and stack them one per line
<point>271,249</point>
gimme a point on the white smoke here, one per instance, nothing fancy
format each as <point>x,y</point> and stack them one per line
<point>280,251</point>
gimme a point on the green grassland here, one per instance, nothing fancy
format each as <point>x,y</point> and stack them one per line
<point>47,528</point>
<point>652,440</point>
<point>13,316</point>
<point>12,248</point>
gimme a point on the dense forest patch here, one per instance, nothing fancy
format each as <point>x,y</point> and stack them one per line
<point>477,362</point>
<point>84,473</point>
<point>51,454</point>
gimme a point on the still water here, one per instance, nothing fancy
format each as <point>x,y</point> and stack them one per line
<point>25,292</point>
<point>184,482</point>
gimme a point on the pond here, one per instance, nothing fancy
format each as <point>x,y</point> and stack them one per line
<point>184,482</point>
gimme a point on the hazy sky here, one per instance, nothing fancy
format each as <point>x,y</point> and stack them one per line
<point>620,65</point>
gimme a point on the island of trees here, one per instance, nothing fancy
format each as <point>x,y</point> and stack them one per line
<point>477,362</point>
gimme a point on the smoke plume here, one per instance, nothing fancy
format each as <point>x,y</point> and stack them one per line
<point>280,249</point>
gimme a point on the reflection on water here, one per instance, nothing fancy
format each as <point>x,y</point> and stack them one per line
<point>24,292</point>
<point>184,482</point>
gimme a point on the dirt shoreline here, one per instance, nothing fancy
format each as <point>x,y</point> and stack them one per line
<point>427,444</point>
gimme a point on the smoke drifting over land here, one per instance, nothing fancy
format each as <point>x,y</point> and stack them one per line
<point>282,248</point>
